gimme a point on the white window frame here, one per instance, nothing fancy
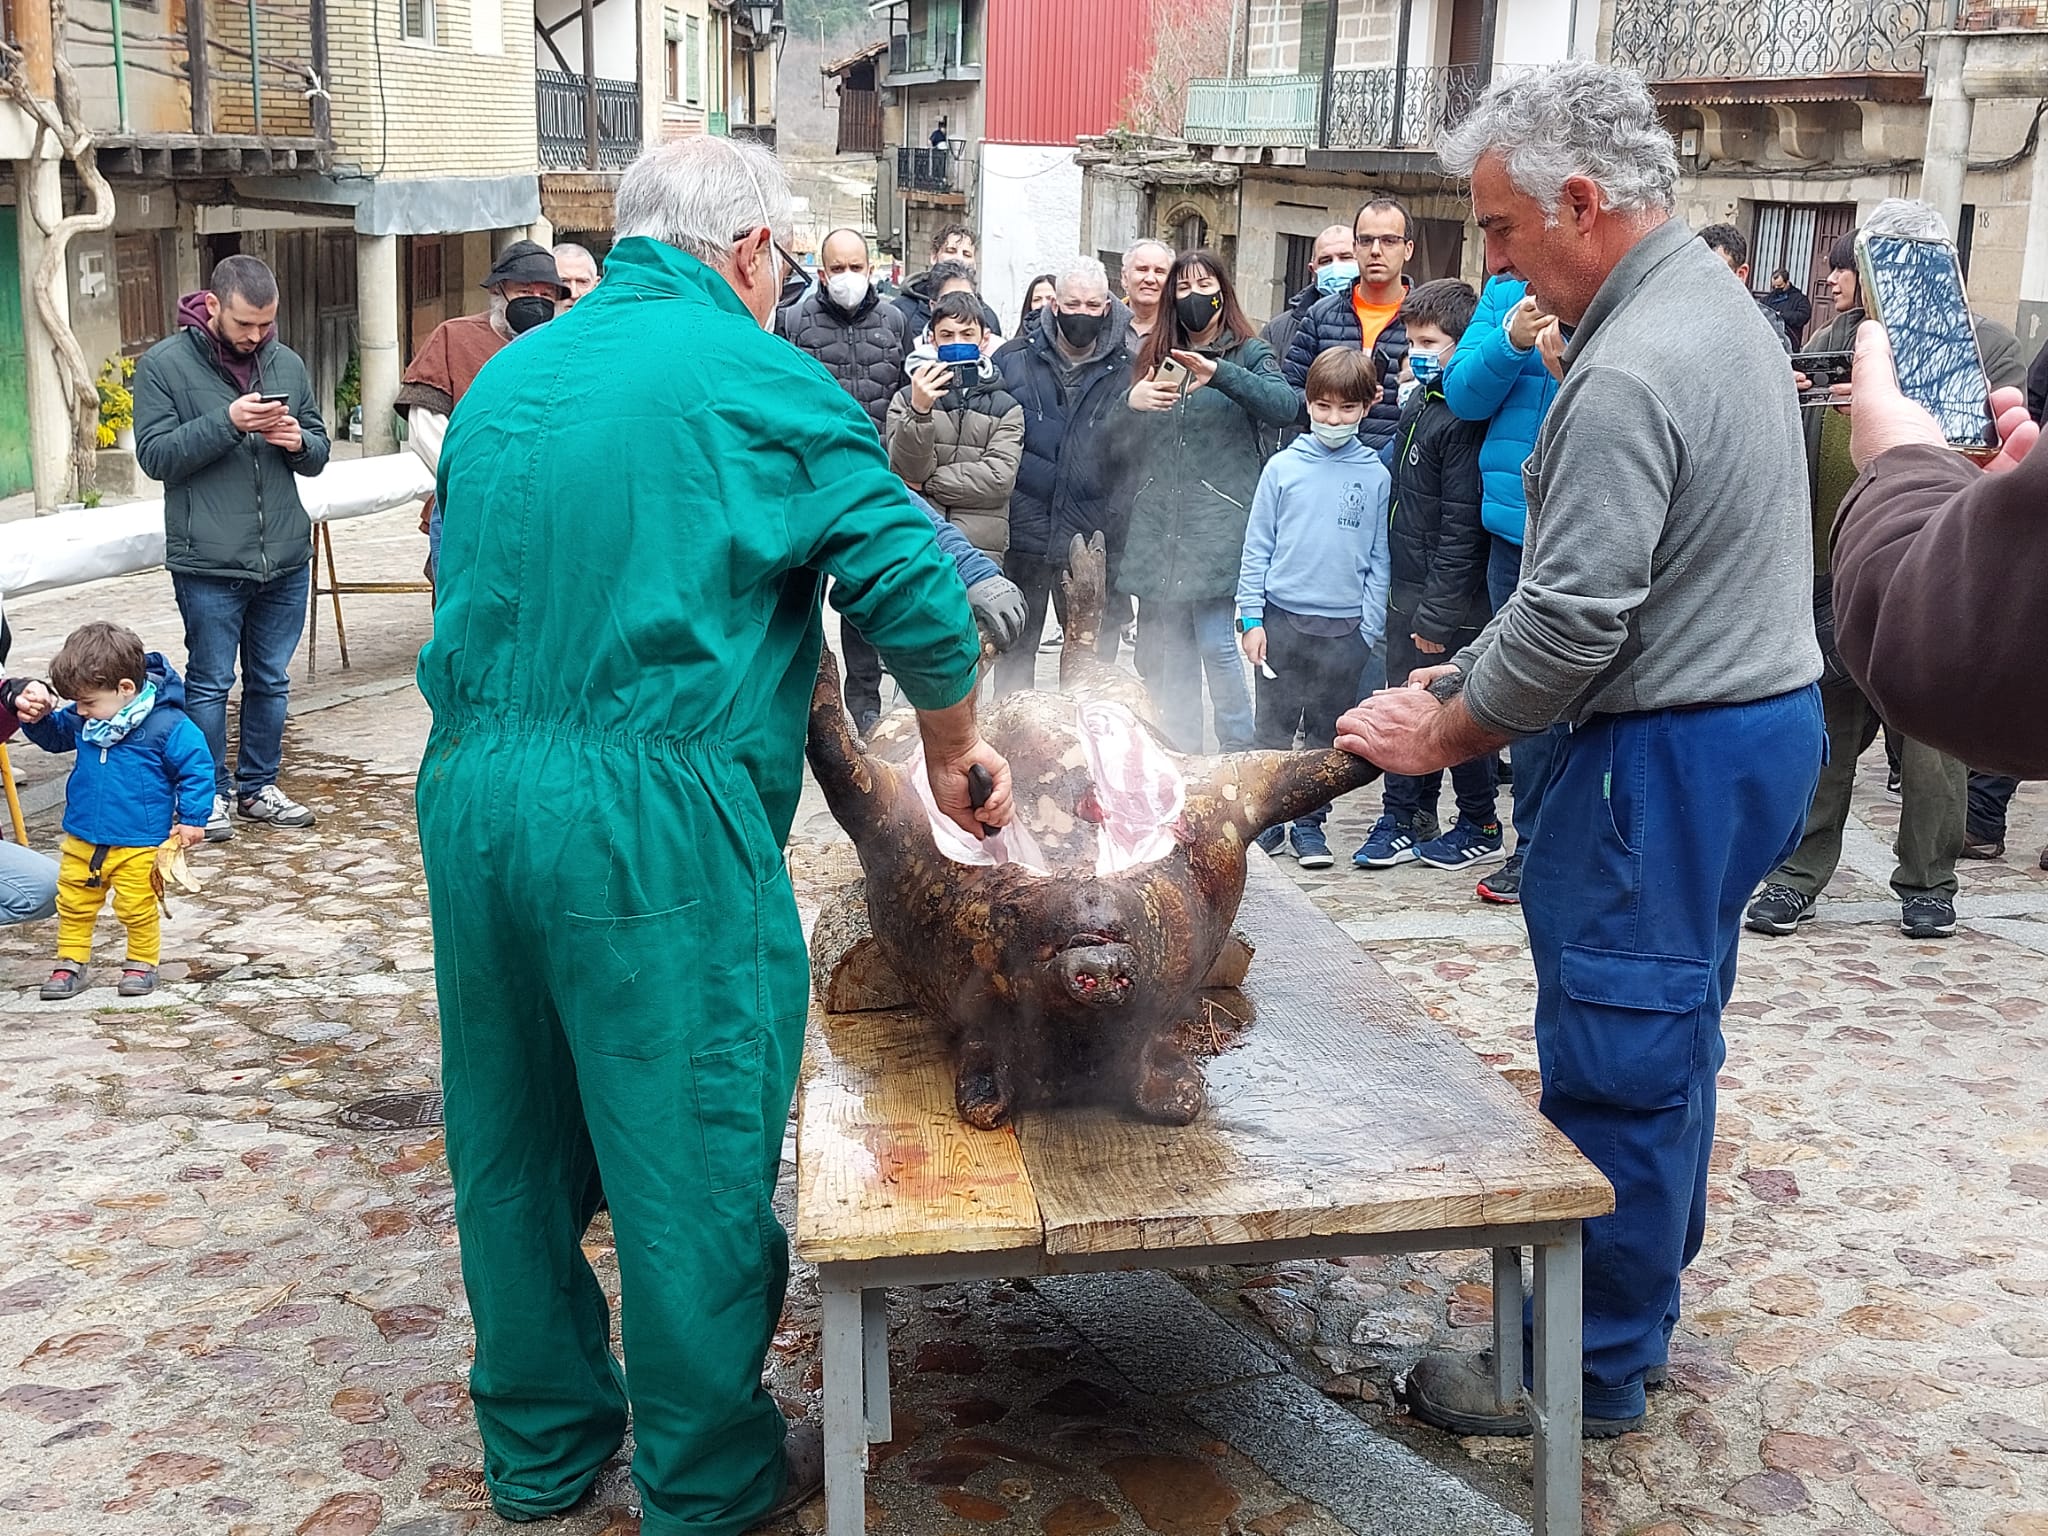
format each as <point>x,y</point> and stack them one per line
<point>429,35</point>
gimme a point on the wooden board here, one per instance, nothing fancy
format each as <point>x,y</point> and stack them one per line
<point>885,1167</point>
<point>1346,1110</point>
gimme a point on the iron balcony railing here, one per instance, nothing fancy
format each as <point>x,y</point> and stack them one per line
<point>1772,39</point>
<point>926,170</point>
<point>1369,108</point>
<point>566,138</point>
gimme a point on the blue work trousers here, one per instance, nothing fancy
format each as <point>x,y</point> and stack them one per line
<point>1656,831</point>
<point>1534,757</point>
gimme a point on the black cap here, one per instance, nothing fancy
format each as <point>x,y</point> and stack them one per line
<point>524,262</point>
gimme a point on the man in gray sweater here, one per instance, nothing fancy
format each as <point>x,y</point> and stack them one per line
<point>1665,614</point>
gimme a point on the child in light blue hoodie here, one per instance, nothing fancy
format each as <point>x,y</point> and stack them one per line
<point>1312,584</point>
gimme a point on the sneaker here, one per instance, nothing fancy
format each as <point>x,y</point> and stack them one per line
<point>67,979</point>
<point>1983,847</point>
<point>1272,840</point>
<point>1894,785</point>
<point>1467,842</point>
<point>1504,885</point>
<point>137,979</point>
<point>1927,917</point>
<point>1392,841</point>
<point>1455,1392</point>
<point>1311,848</point>
<point>220,826</point>
<point>1778,909</point>
<point>272,805</point>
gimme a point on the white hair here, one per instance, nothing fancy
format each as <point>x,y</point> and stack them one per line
<point>1140,244</point>
<point>1073,272</point>
<point>1571,119</point>
<point>571,248</point>
<point>1905,218</point>
<point>700,194</point>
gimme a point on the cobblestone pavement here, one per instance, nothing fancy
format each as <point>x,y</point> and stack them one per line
<point>223,1312</point>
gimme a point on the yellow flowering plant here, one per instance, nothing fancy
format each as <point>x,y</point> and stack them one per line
<point>117,399</point>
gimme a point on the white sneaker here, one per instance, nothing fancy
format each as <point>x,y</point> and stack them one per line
<point>219,826</point>
<point>272,805</point>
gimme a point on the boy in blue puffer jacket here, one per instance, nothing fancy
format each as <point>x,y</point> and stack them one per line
<point>143,776</point>
<point>1497,376</point>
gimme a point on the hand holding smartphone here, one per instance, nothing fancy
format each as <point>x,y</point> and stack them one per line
<point>1912,285</point>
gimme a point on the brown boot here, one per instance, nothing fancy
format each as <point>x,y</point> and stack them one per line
<point>803,1456</point>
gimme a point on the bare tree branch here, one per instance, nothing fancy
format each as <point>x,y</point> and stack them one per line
<point>1190,40</point>
<point>62,121</point>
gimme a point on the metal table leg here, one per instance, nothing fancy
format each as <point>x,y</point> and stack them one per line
<point>846,1422</point>
<point>874,1348</point>
<point>1557,1403</point>
<point>1507,1325</point>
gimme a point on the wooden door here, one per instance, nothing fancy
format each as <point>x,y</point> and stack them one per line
<point>16,468</point>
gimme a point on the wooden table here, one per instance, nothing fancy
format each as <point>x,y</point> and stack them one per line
<point>1348,1122</point>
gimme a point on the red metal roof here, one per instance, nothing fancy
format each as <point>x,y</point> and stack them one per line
<point>1057,69</point>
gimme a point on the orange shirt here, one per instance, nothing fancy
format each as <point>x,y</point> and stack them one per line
<point>1372,318</point>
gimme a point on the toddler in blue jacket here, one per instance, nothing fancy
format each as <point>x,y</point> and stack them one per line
<point>144,776</point>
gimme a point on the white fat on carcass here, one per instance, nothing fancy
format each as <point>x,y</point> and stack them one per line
<point>1138,790</point>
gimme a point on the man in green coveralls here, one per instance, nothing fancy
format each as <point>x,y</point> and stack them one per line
<point>642,501</point>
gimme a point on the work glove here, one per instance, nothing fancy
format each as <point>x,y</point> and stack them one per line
<point>998,608</point>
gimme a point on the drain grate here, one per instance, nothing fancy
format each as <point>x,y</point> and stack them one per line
<point>393,1112</point>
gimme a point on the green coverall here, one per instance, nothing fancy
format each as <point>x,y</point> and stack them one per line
<point>641,500</point>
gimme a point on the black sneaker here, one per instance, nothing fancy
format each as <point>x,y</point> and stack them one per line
<point>1504,885</point>
<point>1894,784</point>
<point>1975,847</point>
<point>1927,917</point>
<point>1778,909</point>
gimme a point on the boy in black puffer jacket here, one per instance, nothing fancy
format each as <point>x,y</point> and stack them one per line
<point>1438,601</point>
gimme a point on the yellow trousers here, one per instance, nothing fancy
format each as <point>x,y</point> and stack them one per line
<point>125,872</point>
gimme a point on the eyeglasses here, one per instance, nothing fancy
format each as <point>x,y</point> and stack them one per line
<point>1378,242</point>
<point>789,262</point>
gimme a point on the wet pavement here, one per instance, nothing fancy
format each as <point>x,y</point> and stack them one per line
<point>226,1312</point>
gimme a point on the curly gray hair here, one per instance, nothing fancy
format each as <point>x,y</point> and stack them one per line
<point>1572,119</point>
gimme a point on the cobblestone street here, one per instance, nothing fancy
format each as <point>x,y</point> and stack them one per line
<point>226,1313</point>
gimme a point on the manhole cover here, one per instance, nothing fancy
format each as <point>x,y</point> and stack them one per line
<point>393,1112</point>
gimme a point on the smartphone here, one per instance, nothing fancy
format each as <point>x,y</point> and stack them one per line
<point>1171,374</point>
<point>1823,370</point>
<point>275,399</point>
<point>1914,289</point>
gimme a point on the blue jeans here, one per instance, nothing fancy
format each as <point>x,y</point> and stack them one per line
<point>28,885</point>
<point>1177,643</point>
<point>1534,757</point>
<point>260,621</point>
<point>1658,828</point>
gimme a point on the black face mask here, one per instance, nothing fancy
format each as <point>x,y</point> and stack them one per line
<point>528,310</point>
<point>1080,330</point>
<point>1197,311</point>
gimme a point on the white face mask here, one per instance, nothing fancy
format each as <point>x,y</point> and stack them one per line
<point>1334,434</point>
<point>847,288</point>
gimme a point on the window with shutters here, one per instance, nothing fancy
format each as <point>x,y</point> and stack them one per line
<point>1315,36</point>
<point>427,279</point>
<point>1297,253</point>
<point>693,60</point>
<point>672,54</point>
<point>416,21</point>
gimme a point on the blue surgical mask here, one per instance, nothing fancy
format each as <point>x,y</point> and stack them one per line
<point>1337,277</point>
<point>1425,367</point>
<point>959,352</point>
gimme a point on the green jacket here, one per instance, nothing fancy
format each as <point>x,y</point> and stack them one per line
<point>231,506</point>
<point>1196,467</point>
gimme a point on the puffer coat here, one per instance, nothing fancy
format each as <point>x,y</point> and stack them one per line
<point>963,454</point>
<point>863,350</point>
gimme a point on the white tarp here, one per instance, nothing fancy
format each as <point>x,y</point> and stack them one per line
<point>41,553</point>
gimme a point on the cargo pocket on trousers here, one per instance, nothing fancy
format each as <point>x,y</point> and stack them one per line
<point>1631,1031</point>
<point>615,971</point>
<point>729,1114</point>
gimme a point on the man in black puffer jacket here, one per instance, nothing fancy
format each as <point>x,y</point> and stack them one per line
<point>861,339</point>
<point>1071,376</point>
<point>1381,245</point>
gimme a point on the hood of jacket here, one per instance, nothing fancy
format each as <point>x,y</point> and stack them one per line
<point>170,687</point>
<point>245,368</point>
<point>1110,339</point>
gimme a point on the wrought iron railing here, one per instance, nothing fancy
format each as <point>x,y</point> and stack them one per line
<point>1275,109</point>
<point>925,170</point>
<point>563,103</point>
<point>1400,108</point>
<point>1772,39</point>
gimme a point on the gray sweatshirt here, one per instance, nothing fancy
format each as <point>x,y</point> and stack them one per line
<point>1668,559</point>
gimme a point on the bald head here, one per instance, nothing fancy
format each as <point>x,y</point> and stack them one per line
<point>1333,244</point>
<point>844,250</point>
